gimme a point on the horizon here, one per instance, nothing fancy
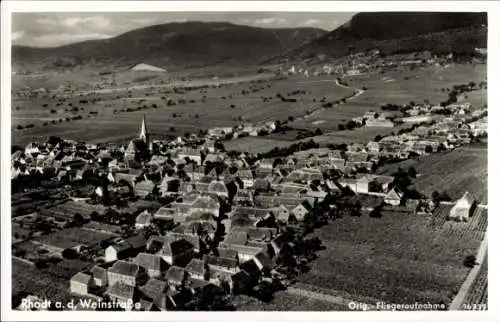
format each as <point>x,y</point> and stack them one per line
<point>50,30</point>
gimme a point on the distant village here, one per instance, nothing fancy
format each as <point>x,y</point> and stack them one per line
<point>191,224</point>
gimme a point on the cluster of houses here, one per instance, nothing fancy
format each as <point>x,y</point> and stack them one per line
<point>167,272</point>
<point>211,193</point>
<point>374,119</point>
<point>246,129</point>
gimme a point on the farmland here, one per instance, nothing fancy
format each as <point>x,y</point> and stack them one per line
<point>284,301</point>
<point>435,172</point>
<point>478,293</point>
<point>48,283</point>
<point>71,237</point>
<point>400,87</point>
<point>397,258</point>
<point>118,114</point>
<point>397,87</point>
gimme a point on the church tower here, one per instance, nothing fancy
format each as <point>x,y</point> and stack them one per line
<point>143,135</point>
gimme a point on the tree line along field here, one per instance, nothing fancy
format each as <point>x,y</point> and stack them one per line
<point>115,115</point>
<point>463,169</point>
<point>397,258</point>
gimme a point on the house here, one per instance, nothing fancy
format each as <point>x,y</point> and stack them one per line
<point>153,264</point>
<point>99,276</point>
<point>373,147</point>
<point>80,283</point>
<point>463,208</point>
<point>196,269</point>
<point>155,290</point>
<point>145,188</point>
<point>176,276</point>
<point>394,196</point>
<point>226,253</point>
<point>244,196</point>
<point>301,210</point>
<point>221,278</point>
<point>144,219</point>
<point>219,188</point>
<point>218,263</point>
<point>125,273</point>
<point>197,202</point>
<point>125,248</point>
<point>191,154</point>
<point>123,294</point>
<point>379,123</point>
<point>179,252</point>
<point>246,176</point>
<point>242,282</point>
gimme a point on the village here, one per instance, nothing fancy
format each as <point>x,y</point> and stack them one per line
<point>185,224</point>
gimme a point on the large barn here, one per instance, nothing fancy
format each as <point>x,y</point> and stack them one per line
<point>463,209</point>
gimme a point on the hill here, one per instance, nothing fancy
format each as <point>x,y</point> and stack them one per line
<point>399,32</point>
<point>173,44</point>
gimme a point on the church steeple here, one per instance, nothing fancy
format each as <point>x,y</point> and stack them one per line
<point>144,132</point>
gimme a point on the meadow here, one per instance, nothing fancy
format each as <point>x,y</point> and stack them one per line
<point>468,173</point>
<point>112,115</point>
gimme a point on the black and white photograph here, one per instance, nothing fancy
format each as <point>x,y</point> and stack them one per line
<point>245,160</point>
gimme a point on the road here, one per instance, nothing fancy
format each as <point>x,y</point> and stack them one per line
<point>457,302</point>
<point>320,109</point>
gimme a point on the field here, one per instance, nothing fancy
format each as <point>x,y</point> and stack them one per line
<point>47,283</point>
<point>397,87</point>
<point>397,258</point>
<point>458,171</point>
<point>284,302</point>
<point>478,293</point>
<point>194,110</point>
<point>71,237</point>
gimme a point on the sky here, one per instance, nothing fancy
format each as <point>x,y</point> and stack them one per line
<point>56,29</point>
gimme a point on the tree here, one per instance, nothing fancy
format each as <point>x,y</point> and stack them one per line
<point>78,219</point>
<point>435,196</point>
<point>341,127</point>
<point>318,132</point>
<point>291,118</point>
<point>377,138</point>
<point>69,253</point>
<point>470,261</point>
<point>412,172</point>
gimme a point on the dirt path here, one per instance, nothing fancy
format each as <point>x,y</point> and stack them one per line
<point>457,302</point>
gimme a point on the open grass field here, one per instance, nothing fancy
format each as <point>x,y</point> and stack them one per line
<point>255,144</point>
<point>71,237</point>
<point>397,258</point>
<point>458,171</point>
<point>194,110</point>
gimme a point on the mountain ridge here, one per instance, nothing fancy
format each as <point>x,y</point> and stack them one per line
<point>173,44</point>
